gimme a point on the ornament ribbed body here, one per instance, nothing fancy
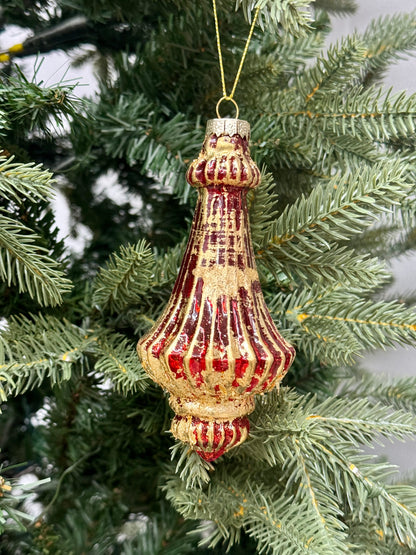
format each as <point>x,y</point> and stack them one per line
<point>215,345</point>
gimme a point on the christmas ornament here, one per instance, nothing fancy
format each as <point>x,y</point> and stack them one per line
<point>215,346</point>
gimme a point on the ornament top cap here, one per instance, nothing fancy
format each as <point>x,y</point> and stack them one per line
<point>228,126</point>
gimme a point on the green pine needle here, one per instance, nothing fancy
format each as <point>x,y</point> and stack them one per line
<point>125,279</point>
<point>293,15</point>
<point>39,347</point>
<point>331,213</point>
<point>24,181</point>
<point>118,361</point>
<point>25,264</point>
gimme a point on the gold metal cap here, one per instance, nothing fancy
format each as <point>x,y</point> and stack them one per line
<point>227,126</point>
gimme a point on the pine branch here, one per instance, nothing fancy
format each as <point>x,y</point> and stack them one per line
<point>366,534</point>
<point>342,151</point>
<point>31,106</point>
<point>399,393</point>
<point>350,269</point>
<point>278,147</point>
<point>314,377</point>
<point>358,421</point>
<point>388,239</point>
<point>340,209</point>
<point>164,273</point>
<point>348,129</point>
<point>341,67</point>
<point>24,181</point>
<point>125,279</point>
<point>262,206</point>
<point>118,361</point>
<point>27,265</point>
<point>388,39</point>
<point>315,498</point>
<point>345,323</point>
<point>167,265</point>
<point>292,15</point>
<point>285,419</point>
<point>320,503</point>
<point>163,534</point>
<point>238,503</point>
<point>286,431</point>
<point>290,54</point>
<point>39,347</point>
<point>325,433</point>
<point>395,506</point>
<point>343,313</point>
<point>297,139</point>
<point>139,132</point>
<point>275,526</point>
<point>191,469</point>
<point>12,519</point>
<point>331,213</point>
<point>407,211</point>
<point>198,504</point>
<point>4,124</point>
<point>368,113</point>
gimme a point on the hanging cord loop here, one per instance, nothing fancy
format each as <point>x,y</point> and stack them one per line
<point>225,96</point>
<point>217,108</point>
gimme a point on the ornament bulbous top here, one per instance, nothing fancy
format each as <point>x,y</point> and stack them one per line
<point>225,157</point>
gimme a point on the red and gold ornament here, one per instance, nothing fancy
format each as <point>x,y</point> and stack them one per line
<point>215,346</point>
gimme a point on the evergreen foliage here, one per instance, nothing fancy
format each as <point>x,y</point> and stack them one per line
<point>125,279</point>
<point>337,202</point>
<point>23,262</point>
<point>10,516</point>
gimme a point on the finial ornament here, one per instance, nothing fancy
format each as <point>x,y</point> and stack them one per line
<point>215,346</point>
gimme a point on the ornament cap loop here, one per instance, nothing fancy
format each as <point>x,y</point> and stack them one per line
<point>230,99</point>
<point>230,127</point>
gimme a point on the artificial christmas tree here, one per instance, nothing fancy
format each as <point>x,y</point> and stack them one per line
<point>336,203</point>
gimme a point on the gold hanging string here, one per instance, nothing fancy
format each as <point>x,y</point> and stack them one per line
<point>243,57</point>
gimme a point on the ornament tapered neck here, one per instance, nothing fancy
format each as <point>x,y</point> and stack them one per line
<point>228,126</point>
